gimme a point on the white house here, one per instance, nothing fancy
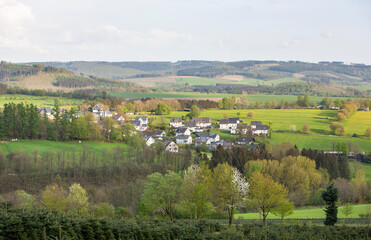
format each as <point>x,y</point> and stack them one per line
<point>254,124</point>
<point>171,146</point>
<point>182,132</point>
<point>229,124</point>
<point>205,136</point>
<point>106,114</point>
<point>144,120</point>
<point>244,140</point>
<point>149,140</point>
<point>201,141</point>
<point>119,119</point>
<point>184,139</point>
<point>191,125</point>
<point>139,125</point>
<point>96,108</point>
<point>176,122</point>
<point>159,135</point>
<point>202,122</point>
<point>241,128</point>
<point>45,111</point>
<point>260,129</point>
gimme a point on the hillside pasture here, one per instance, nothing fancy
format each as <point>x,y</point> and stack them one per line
<point>29,146</point>
<point>41,101</point>
<point>311,212</point>
<point>358,123</point>
<point>320,142</point>
<point>196,95</point>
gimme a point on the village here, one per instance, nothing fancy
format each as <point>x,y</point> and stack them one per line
<point>194,132</point>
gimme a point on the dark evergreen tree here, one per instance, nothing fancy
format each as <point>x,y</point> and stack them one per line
<point>330,196</point>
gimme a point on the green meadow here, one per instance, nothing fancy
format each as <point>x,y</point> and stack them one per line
<point>358,123</point>
<point>29,146</point>
<point>320,142</point>
<point>311,212</point>
<point>194,95</point>
<point>44,101</point>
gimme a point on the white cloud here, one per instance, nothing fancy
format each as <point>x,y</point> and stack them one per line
<point>328,34</point>
<point>14,18</point>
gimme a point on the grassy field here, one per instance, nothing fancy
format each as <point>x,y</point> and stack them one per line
<point>194,95</point>
<point>320,142</point>
<point>43,146</point>
<point>358,123</point>
<point>37,100</point>
<point>312,213</point>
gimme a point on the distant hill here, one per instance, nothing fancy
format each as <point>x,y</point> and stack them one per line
<point>323,72</point>
<point>42,76</point>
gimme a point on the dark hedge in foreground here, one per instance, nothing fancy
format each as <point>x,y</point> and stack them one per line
<point>34,224</point>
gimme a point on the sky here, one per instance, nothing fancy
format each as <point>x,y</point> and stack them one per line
<point>172,30</point>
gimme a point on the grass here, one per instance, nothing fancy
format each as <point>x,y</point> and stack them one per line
<point>28,146</point>
<point>320,142</point>
<point>251,98</point>
<point>358,123</point>
<point>312,212</point>
<point>37,100</point>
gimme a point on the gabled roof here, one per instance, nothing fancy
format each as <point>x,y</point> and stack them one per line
<point>244,139</point>
<point>183,137</point>
<point>135,122</point>
<point>143,118</point>
<point>190,124</point>
<point>234,120</point>
<point>257,123</point>
<point>46,109</point>
<point>96,107</point>
<point>181,130</point>
<point>202,119</point>
<point>206,135</point>
<point>224,121</point>
<point>175,119</point>
<point>262,127</point>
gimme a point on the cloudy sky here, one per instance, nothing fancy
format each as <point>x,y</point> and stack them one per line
<point>171,30</point>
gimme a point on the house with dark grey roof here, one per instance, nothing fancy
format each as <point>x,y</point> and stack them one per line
<point>184,139</point>
<point>182,131</point>
<point>260,129</point>
<point>244,140</point>
<point>176,122</point>
<point>206,136</point>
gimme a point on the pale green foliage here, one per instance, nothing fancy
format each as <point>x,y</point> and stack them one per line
<point>24,199</point>
<point>103,210</point>
<point>197,190</point>
<point>77,199</point>
<point>347,209</point>
<point>368,133</point>
<point>267,194</point>
<point>53,198</point>
<point>285,208</point>
<point>162,192</point>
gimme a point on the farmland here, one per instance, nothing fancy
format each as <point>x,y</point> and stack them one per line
<point>29,146</point>
<point>195,95</point>
<point>44,101</point>
<point>312,212</point>
<point>358,123</point>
